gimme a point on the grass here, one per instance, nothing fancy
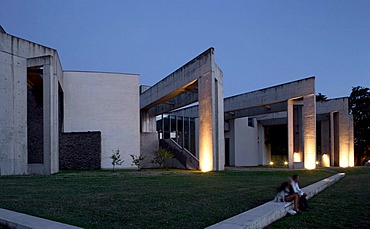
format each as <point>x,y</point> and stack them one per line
<point>145,199</point>
<point>343,205</point>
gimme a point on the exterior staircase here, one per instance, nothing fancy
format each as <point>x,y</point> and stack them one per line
<point>182,155</point>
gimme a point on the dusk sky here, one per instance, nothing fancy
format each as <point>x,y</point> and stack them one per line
<point>257,43</point>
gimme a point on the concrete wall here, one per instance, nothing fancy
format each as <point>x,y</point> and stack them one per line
<point>245,144</point>
<point>105,102</point>
<point>15,56</point>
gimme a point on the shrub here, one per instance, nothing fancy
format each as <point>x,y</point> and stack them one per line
<point>116,158</point>
<point>161,155</point>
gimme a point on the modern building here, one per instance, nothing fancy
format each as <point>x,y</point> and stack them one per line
<point>53,119</point>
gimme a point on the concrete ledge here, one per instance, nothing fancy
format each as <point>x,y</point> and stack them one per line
<point>269,212</point>
<point>18,220</point>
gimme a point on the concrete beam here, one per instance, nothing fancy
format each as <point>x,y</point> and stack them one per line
<point>177,82</point>
<point>271,95</point>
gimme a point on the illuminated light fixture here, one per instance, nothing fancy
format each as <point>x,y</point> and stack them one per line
<point>271,163</point>
<point>297,157</point>
<point>325,160</point>
<point>285,163</point>
<point>317,162</point>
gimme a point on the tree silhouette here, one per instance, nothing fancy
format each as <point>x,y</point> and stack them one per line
<point>359,105</point>
<point>320,97</point>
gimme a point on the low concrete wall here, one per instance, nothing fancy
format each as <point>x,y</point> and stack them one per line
<point>18,220</point>
<point>269,212</point>
<point>80,150</point>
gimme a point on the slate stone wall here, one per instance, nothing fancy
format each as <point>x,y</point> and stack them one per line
<point>35,126</point>
<point>80,150</point>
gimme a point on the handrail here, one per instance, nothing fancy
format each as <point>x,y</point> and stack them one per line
<point>187,151</point>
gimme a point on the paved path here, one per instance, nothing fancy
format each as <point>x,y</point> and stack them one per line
<point>269,212</point>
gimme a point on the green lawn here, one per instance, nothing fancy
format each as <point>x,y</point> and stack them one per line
<point>145,199</point>
<point>343,205</point>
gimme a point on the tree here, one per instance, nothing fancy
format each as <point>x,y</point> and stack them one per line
<point>359,105</point>
<point>320,97</point>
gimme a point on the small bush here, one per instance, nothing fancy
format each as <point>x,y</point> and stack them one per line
<point>161,156</point>
<point>116,158</point>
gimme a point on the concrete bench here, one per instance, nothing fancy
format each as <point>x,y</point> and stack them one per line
<point>18,220</point>
<point>269,212</point>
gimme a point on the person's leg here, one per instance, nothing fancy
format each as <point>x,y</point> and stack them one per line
<point>295,198</point>
<point>303,203</point>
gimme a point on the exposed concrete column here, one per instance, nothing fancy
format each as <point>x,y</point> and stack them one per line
<point>309,131</point>
<point>325,143</point>
<point>345,136</point>
<point>264,155</point>
<point>351,142</point>
<point>148,122</point>
<point>50,101</point>
<point>211,122</point>
<point>332,139</point>
<point>290,133</point>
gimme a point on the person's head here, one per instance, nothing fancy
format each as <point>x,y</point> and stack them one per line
<point>295,178</point>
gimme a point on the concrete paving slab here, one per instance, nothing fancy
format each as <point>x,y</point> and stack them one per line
<point>18,220</point>
<point>269,212</point>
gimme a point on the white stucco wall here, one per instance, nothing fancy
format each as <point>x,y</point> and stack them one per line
<point>245,142</point>
<point>106,102</point>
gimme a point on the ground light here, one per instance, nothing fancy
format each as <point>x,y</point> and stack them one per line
<point>325,160</point>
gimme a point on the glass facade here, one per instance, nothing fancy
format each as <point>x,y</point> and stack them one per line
<point>178,128</point>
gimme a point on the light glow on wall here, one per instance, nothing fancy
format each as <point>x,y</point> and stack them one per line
<point>310,156</point>
<point>343,161</point>
<point>297,157</point>
<point>325,160</point>
<point>205,153</point>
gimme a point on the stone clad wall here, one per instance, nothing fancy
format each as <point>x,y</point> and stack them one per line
<point>80,150</point>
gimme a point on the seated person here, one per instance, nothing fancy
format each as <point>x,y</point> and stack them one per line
<point>302,196</point>
<point>286,192</point>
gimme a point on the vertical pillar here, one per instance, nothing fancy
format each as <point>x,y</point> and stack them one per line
<point>19,107</point>
<point>351,142</point>
<point>148,122</point>
<point>211,131</point>
<point>325,143</point>
<point>344,138</point>
<point>309,131</point>
<point>290,133</point>
<point>332,139</point>
<point>50,119</point>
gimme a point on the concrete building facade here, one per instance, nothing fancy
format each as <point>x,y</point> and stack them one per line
<point>40,102</point>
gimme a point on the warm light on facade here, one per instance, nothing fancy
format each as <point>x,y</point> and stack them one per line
<point>297,157</point>
<point>310,156</point>
<point>325,160</point>
<point>205,154</point>
<point>317,163</point>
<point>343,160</point>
